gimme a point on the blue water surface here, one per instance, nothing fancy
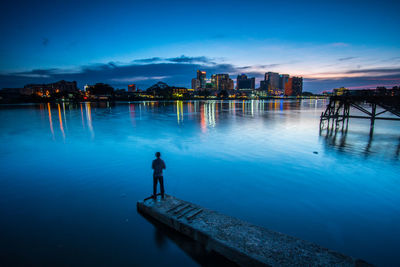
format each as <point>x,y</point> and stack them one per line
<point>71,175</point>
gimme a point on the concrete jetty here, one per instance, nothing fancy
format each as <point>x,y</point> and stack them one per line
<point>241,242</point>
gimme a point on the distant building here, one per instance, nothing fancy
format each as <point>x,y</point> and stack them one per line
<point>195,84</point>
<point>340,91</point>
<point>297,85</point>
<point>201,76</point>
<point>272,79</point>
<point>14,93</point>
<point>242,82</point>
<point>294,86</point>
<point>288,87</point>
<point>263,85</point>
<point>221,82</point>
<point>283,79</point>
<point>100,89</point>
<point>327,93</point>
<point>271,83</point>
<point>200,81</point>
<point>132,88</point>
<point>51,88</point>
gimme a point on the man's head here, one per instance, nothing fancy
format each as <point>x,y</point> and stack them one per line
<point>158,154</point>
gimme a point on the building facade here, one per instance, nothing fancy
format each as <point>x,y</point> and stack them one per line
<point>199,82</point>
<point>132,88</point>
<point>201,77</point>
<point>221,82</point>
<point>283,79</point>
<point>243,82</point>
<point>297,86</point>
<point>51,88</point>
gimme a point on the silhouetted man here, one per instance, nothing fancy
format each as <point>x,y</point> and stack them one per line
<point>158,166</point>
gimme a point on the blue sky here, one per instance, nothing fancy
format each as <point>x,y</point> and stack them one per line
<point>329,43</point>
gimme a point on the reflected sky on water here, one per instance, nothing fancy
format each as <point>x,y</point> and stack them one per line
<point>72,173</point>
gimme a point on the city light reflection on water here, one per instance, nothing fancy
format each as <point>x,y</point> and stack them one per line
<point>71,174</point>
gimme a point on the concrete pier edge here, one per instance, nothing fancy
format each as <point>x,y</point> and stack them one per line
<point>239,241</point>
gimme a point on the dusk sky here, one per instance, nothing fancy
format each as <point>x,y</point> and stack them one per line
<point>355,44</point>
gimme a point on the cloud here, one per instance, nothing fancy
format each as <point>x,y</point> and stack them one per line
<point>40,73</point>
<point>339,44</point>
<point>346,58</point>
<point>179,71</point>
<point>147,60</point>
<point>181,59</point>
<point>185,59</point>
<point>175,71</point>
<point>371,72</point>
<point>377,71</point>
<point>322,84</point>
<point>269,66</point>
<point>138,78</point>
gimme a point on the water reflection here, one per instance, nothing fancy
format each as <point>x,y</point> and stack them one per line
<point>132,114</point>
<point>207,114</point>
<point>261,152</point>
<point>359,142</point>
<point>179,111</point>
<point>50,120</point>
<point>61,122</point>
<point>89,118</point>
<point>199,253</point>
<point>210,113</point>
<point>83,120</point>
<point>65,118</point>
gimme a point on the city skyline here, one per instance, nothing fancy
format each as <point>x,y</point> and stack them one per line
<point>352,44</point>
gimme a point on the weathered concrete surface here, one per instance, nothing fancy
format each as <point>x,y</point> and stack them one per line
<point>239,241</point>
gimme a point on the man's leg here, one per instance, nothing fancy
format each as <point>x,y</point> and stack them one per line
<point>161,178</point>
<point>154,186</point>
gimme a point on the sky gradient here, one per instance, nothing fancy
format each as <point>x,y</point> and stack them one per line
<point>331,44</point>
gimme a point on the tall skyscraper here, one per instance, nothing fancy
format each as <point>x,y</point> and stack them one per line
<point>195,84</point>
<point>288,87</point>
<point>283,79</point>
<point>297,85</point>
<point>201,76</point>
<point>263,85</point>
<point>200,81</point>
<point>221,82</point>
<point>132,88</point>
<point>294,86</point>
<point>242,82</point>
<point>272,79</point>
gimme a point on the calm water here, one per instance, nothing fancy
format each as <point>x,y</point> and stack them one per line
<point>71,176</point>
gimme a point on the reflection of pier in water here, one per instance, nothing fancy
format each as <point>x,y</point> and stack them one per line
<point>334,121</point>
<point>345,142</point>
<point>193,249</point>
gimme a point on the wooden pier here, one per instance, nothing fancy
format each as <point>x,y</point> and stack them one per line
<point>239,241</point>
<point>371,105</point>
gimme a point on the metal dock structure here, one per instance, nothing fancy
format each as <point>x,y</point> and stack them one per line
<point>239,241</point>
<point>368,102</point>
